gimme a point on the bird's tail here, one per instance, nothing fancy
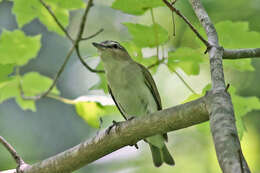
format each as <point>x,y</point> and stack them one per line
<point>161,155</point>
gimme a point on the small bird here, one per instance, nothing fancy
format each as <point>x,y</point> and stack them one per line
<point>134,92</point>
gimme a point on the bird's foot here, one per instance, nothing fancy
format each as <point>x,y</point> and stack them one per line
<point>136,146</point>
<point>131,118</point>
<point>115,124</point>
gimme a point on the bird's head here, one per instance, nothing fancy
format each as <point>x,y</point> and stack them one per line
<point>111,49</point>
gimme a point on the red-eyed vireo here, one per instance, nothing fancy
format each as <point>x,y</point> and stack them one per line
<point>134,91</point>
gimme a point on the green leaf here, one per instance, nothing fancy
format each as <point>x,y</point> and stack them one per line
<point>242,106</point>
<point>239,64</point>
<point>9,89</point>
<point>27,10</point>
<point>136,54</point>
<point>237,35</point>
<point>33,83</point>
<point>67,4</point>
<point>91,112</point>
<point>25,104</point>
<point>196,96</point>
<point>17,48</point>
<point>136,7</point>
<point>145,36</point>
<point>187,59</point>
<point>5,70</point>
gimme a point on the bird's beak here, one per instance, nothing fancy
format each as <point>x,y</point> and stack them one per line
<point>99,45</point>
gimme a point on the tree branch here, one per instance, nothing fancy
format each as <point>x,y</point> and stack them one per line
<point>173,9</point>
<point>19,161</point>
<point>56,19</point>
<point>241,53</point>
<point>93,35</point>
<point>12,151</point>
<point>75,46</point>
<point>222,119</point>
<point>127,133</point>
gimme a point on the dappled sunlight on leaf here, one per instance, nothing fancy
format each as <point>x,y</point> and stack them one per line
<point>26,47</point>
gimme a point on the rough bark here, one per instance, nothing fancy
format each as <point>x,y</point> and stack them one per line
<point>241,53</point>
<point>222,119</point>
<point>127,133</point>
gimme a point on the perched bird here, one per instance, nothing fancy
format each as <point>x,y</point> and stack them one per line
<point>134,92</point>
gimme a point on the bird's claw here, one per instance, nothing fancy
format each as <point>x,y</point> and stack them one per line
<point>136,146</point>
<point>110,127</point>
<point>131,118</point>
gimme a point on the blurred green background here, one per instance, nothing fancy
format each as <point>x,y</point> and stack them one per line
<point>56,127</point>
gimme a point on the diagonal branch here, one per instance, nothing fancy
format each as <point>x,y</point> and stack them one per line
<point>12,151</point>
<point>19,161</point>
<point>85,64</point>
<point>173,9</point>
<point>93,35</point>
<point>241,53</point>
<point>222,119</point>
<point>75,46</point>
<point>56,19</point>
<point>127,133</point>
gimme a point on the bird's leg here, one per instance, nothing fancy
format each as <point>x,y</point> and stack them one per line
<point>110,127</point>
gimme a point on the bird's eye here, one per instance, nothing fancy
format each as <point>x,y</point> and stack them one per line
<point>115,46</point>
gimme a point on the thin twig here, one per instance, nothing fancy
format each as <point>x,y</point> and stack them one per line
<point>172,8</point>
<point>93,35</point>
<point>12,151</point>
<point>79,38</point>
<point>54,81</point>
<point>227,87</point>
<point>83,21</point>
<point>173,21</point>
<point>85,64</point>
<point>56,19</point>
<point>184,82</point>
<point>75,45</point>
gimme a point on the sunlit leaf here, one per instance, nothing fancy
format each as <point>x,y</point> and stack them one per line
<point>145,36</point>
<point>17,48</point>
<point>91,109</point>
<point>27,10</point>
<point>9,89</point>
<point>196,96</point>
<point>136,7</point>
<point>240,64</point>
<point>187,59</point>
<point>5,70</point>
<point>33,83</point>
